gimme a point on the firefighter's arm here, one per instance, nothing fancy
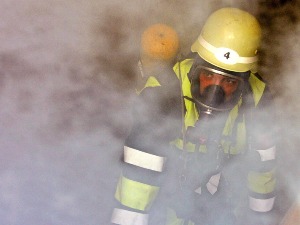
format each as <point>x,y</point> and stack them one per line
<point>144,154</point>
<point>261,178</point>
<point>142,167</point>
<point>138,187</point>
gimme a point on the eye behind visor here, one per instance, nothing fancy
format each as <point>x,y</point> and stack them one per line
<point>204,79</point>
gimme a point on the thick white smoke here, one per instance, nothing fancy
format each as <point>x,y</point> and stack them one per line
<point>67,71</point>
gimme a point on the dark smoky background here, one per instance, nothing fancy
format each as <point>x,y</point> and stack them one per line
<point>279,65</point>
<point>67,74</point>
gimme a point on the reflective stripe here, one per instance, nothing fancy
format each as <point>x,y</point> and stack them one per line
<point>241,136</point>
<point>261,205</point>
<point>143,159</point>
<point>267,154</point>
<point>228,129</point>
<point>124,217</point>
<point>213,183</point>
<point>135,195</point>
<point>151,82</point>
<point>173,219</point>
<point>190,147</point>
<point>216,51</point>
<point>258,88</point>
<point>198,190</point>
<point>262,183</point>
<point>140,66</point>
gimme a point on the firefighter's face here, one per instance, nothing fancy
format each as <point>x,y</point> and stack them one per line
<point>214,89</point>
<point>228,84</point>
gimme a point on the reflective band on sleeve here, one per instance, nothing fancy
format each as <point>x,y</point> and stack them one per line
<point>124,217</point>
<point>261,205</point>
<point>174,219</point>
<point>135,195</point>
<point>182,69</point>
<point>267,154</point>
<point>261,183</point>
<point>213,183</point>
<point>143,159</point>
<point>221,51</point>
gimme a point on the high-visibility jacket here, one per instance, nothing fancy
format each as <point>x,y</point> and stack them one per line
<point>137,189</point>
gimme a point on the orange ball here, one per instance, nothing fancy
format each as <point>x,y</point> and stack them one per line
<point>160,42</point>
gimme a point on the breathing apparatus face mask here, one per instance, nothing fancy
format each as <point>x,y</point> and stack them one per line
<point>214,90</point>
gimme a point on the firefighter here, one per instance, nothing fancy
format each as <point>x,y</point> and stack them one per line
<point>156,112</point>
<point>221,168</point>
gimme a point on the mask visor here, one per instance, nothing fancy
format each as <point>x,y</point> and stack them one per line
<point>214,89</point>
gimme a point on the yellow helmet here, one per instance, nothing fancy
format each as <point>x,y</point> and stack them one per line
<point>229,40</point>
<point>159,42</point>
